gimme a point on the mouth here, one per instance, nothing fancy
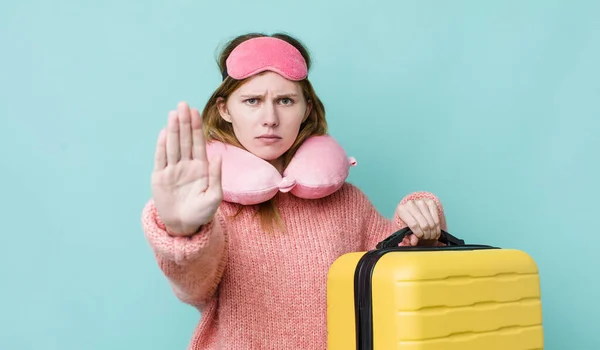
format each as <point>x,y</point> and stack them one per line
<point>269,137</point>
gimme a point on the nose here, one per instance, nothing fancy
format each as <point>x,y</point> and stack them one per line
<point>270,117</point>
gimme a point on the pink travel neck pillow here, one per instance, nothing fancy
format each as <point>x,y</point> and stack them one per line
<point>319,168</point>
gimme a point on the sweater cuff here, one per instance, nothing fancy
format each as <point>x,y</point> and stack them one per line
<point>179,249</point>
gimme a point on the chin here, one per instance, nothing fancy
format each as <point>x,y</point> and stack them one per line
<point>269,156</point>
<point>268,153</point>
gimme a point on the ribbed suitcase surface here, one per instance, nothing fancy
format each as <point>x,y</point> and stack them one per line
<point>453,298</point>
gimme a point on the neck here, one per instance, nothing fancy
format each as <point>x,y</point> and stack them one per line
<point>278,164</point>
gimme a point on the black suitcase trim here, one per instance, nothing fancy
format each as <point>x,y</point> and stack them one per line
<point>363,307</point>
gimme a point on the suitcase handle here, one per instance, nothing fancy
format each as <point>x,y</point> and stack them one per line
<point>395,238</point>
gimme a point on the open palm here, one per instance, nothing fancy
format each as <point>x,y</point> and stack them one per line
<point>186,187</point>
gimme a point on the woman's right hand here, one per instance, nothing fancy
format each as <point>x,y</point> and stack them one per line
<point>186,187</point>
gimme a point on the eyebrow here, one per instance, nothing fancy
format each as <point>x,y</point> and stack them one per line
<point>293,94</point>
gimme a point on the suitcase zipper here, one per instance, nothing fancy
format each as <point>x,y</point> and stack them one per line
<point>362,298</point>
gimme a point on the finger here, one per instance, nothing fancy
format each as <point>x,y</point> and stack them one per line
<point>185,130</point>
<point>199,145</point>
<point>160,155</point>
<point>405,241</point>
<point>214,175</point>
<point>414,240</point>
<point>422,222</point>
<point>173,152</point>
<point>433,210</point>
<point>405,213</point>
<point>424,209</point>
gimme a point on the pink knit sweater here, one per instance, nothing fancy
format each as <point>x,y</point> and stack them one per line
<point>267,291</point>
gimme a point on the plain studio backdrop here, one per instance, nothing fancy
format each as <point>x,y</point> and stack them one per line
<point>491,105</point>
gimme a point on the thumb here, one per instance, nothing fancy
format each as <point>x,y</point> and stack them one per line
<point>414,240</point>
<point>405,242</point>
<point>214,173</point>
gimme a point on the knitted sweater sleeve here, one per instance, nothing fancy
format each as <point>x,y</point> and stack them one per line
<point>193,265</point>
<point>378,227</point>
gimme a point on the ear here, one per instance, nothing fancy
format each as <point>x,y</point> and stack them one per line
<point>308,110</point>
<point>222,106</point>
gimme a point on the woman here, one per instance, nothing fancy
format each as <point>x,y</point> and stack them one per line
<point>257,272</point>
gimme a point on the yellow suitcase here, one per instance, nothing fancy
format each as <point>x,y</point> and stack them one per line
<point>455,297</point>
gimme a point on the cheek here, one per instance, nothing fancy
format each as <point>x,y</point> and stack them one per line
<point>295,114</point>
<point>294,120</point>
<point>242,130</point>
<point>239,117</point>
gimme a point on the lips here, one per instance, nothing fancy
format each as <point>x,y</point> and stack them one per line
<point>269,139</point>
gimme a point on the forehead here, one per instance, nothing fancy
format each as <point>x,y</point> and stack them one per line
<point>269,82</point>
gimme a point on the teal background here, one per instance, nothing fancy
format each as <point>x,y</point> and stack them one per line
<point>492,105</point>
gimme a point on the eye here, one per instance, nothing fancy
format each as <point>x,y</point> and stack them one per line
<point>286,101</point>
<point>251,101</point>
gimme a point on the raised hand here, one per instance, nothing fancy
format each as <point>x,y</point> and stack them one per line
<point>186,187</point>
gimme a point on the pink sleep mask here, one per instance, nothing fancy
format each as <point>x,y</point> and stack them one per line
<point>261,54</point>
<point>319,168</point>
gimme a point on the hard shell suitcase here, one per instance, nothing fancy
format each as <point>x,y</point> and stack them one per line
<point>454,297</point>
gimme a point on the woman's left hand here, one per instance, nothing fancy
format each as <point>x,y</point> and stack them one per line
<point>421,216</point>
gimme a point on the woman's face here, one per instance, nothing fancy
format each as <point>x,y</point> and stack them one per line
<point>266,113</point>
